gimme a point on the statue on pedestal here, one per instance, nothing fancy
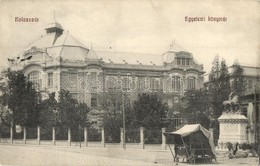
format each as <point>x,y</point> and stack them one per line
<point>232,104</point>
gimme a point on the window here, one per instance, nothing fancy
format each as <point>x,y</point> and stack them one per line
<point>187,62</point>
<point>93,76</point>
<point>191,83</point>
<point>93,79</point>
<point>178,61</point>
<point>183,62</point>
<point>93,100</point>
<point>72,79</point>
<point>50,79</point>
<point>125,83</point>
<point>250,84</point>
<point>155,84</point>
<point>35,78</point>
<point>109,82</point>
<point>176,83</point>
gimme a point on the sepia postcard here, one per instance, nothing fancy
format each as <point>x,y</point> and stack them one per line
<point>113,78</point>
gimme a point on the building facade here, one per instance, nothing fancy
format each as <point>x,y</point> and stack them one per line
<point>58,61</point>
<point>250,102</point>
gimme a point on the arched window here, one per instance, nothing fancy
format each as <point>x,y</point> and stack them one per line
<point>35,78</point>
<point>176,83</point>
<point>191,83</point>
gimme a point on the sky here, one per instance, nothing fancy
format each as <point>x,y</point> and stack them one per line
<point>145,26</point>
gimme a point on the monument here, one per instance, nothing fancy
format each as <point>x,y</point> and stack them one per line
<point>232,123</point>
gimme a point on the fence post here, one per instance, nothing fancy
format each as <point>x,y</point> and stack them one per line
<point>86,136</point>
<point>142,137</point>
<point>11,134</point>
<point>163,139</point>
<point>69,137</point>
<point>103,137</point>
<point>122,137</point>
<point>53,136</point>
<point>24,135</point>
<point>39,135</point>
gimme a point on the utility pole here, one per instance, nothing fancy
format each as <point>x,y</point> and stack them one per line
<point>123,102</point>
<point>256,125</point>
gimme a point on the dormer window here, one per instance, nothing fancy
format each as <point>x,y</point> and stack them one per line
<point>179,61</point>
<point>187,62</point>
<point>183,61</point>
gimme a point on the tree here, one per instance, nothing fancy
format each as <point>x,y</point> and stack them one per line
<point>111,106</point>
<point>196,106</point>
<point>219,90</point>
<point>219,86</point>
<point>149,111</point>
<point>238,82</point>
<point>48,112</point>
<point>20,97</point>
<point>71,113</point>
<point>110,103</point>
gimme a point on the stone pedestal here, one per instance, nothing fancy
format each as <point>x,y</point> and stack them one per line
<point>232,128</point>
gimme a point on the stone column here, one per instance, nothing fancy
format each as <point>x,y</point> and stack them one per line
<point>103,137</point>
<point>142,137</point>
<point>39,134</point>
<point>53,136</point>
<point>86,136</point>
<point>24,135</point>
<point>163,139</point>
<point>69,137</point>
<point>11,134</point>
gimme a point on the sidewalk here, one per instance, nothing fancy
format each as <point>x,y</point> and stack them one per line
<point>63,155</point>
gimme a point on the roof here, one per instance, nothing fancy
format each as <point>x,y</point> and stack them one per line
<point>54,25</point>
<point>175,51</point>
<point>92,54</point>
<point>189,129</point>
<point>48,40</point>
<point>251,71</point>
<point>130,58</point>
<point>175,48</point>
<point>62,45</point>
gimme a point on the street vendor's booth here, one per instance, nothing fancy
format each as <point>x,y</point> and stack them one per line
<point>193,143</point>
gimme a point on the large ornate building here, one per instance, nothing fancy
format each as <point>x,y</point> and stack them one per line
<point>58,61</point>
